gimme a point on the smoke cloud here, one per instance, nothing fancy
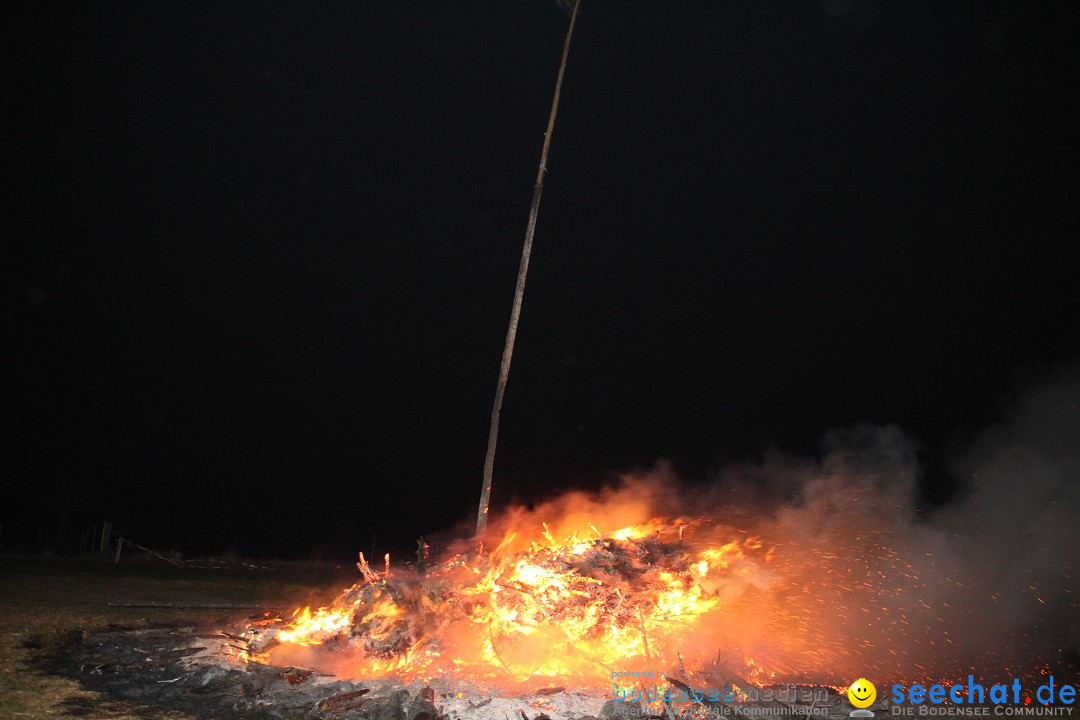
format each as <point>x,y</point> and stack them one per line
<point>985,582</point>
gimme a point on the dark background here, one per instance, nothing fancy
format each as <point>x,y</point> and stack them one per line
<point>260,256</point>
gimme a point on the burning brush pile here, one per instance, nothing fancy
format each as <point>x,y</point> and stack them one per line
<point>555,627</point>
<point>831,576</point>
<point>552,611</point>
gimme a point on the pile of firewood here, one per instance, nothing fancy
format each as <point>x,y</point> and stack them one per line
<point>619,576</point>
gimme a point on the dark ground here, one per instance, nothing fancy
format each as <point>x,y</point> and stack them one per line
<point>42,599</point>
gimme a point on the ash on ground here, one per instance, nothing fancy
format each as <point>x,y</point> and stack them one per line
<point>189,669</point>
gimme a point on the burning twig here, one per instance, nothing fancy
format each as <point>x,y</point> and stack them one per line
<point>343,701</point>
<point>365,570</point>
<point>550,691</point>
<point>495,651</point>
<point>508,586</point>
<point>644,636</point>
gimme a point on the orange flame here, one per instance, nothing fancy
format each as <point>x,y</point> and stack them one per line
<point>531,611</point>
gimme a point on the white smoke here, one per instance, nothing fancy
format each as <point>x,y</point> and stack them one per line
<point>987,580</point>
<point>1017,527</point>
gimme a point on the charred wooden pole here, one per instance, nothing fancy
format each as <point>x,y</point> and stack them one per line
<point>421,556</point>
<point>519,291</point>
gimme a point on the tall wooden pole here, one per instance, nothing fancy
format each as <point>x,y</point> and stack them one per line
<point>519,291</point>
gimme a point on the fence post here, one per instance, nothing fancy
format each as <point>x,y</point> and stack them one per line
<point>106,535</point>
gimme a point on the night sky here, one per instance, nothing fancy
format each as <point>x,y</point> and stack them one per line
<point>260,256</point>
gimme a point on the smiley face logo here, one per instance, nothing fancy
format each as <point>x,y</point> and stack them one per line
<point>862,693</point>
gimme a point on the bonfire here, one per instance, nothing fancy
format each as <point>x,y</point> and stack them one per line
<point>580,610</point>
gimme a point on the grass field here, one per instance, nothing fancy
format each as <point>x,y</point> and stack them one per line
<point>43,598</point>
